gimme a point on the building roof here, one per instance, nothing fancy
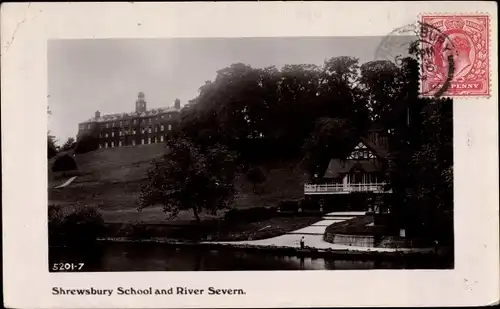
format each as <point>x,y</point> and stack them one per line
<point>336,167</point>
<point>379,151</point>
<point>123,116</point>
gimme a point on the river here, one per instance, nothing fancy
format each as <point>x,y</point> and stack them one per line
<point>162,257</point>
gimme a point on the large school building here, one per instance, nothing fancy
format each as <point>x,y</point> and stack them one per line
<point>135,128</point>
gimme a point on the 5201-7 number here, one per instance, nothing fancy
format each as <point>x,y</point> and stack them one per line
<point>67,266</point>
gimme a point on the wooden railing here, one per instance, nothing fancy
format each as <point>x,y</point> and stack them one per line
<point>347,188</point>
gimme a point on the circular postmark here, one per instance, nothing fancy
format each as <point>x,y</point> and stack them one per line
<point>432,48</point>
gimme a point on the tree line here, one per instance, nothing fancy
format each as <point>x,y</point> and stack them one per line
<point>315,113</point>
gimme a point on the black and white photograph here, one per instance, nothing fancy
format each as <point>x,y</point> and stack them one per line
<point>310,153</point>
<point>249,154</point>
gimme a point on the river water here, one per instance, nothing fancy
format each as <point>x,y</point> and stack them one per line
<point>161,257</point>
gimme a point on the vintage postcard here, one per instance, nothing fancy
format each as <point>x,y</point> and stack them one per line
<point>250,154</point>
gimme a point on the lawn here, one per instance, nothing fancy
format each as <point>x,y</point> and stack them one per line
<point>214,230</point>
<point>111,179</point>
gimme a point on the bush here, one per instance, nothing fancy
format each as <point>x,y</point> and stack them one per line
<point>64,163</point>
<point>290,205</point>
<point>249,214</point>
<point>357,226</point>
<point>309,204</point>
<point>77,226</point>
<point>51,152</point>
<point>87,143</point>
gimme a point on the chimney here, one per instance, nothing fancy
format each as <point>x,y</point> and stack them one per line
<point>97,114</point>
<point>177,104</point>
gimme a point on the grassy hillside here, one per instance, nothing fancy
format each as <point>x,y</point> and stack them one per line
<point>111,178</point>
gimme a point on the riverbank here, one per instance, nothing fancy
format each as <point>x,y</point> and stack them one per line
<point>352,252</point>
<point>288,244</point>
<point>155,255</point>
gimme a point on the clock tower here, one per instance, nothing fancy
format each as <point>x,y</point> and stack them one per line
<point>140,104</point>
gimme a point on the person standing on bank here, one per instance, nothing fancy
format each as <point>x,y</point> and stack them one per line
<point>302,243</point>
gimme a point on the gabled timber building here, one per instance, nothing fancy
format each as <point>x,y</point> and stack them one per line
<point>353,178</point>
<point>129,129</point>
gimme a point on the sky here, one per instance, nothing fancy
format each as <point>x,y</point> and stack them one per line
<point>87,75</point>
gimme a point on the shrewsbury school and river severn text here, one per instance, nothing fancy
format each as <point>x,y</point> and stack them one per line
<point>147,291</point>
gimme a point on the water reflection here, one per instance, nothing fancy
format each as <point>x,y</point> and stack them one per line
<point>158,257</point>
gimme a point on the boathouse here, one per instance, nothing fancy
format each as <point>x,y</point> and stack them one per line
<point>362,173</point>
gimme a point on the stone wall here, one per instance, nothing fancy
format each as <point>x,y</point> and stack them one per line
<point>350,240</point>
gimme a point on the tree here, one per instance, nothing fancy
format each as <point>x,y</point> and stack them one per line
<point>269,112</point>
<point>51,145</point>
<point>331,138</point>
<point>190,178</point>
<point>421,147</point>
<point>87,142</point>
<point>69,144</point>
<point>341,114</point>
<point>429,184</point>
<point>256,177</point>
<point>51,140</point>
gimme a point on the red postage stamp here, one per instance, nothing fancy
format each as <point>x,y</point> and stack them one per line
<point>455,56</point>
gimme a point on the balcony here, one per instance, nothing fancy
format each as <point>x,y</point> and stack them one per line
<point>345,188</point>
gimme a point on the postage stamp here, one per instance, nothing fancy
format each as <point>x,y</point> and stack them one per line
<point>456,52</point>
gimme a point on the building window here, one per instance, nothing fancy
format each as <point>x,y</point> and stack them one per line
<point>149,130</point>
<point>112,134</point>
<point>121,123</point>
<point>149,140</point>
<point>161,116</point>
<point>149,120</point>
<point>135,121</point>
<point>107,125</point>
<point>100,146</point>
<point>81,127</point>
<point>106,134</point>
<point>119,143</point>
<point>121,133</point>
<point>170,127</point>
<point>169,116</point>
<point>88,126</point>
<point>162,128</point>
<point>156,117</point>
<point>106,145</point>
<point>161,138</point>
<point>134,132</point>
<point>142,141</point>
<point>133,142</point>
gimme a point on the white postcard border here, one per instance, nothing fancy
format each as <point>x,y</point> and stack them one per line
<point>27,282</point>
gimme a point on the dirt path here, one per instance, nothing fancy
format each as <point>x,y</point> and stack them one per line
<point>66,183</point>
